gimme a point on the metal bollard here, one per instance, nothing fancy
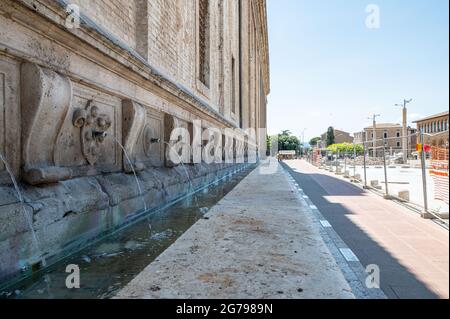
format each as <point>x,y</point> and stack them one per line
<point>364,164</point>
<point>337,160</point>
<point>345,161</point>
<point>331,161</point>
<point>386,195</point>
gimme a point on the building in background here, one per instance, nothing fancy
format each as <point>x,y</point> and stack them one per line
<point>435,128</point>
<point>392,133</point>
<point>339,137</point>
<point>359,137</point>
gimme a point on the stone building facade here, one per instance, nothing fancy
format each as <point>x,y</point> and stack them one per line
<point>392,133</point>
<point>339,137</point>
<point>359,137</point>
<point>435,128</point>
<point>79,78</point>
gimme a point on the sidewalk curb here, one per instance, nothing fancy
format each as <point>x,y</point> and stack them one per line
<point>352,269</point>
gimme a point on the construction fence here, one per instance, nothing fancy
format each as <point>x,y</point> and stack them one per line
<point>421,181</point>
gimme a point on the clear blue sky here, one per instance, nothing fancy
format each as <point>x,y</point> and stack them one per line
<point>328,68</point>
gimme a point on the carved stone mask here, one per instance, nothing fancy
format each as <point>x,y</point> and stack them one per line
<point>93,127</point>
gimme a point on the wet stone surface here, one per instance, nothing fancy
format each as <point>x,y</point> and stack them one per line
<point>107,266</point>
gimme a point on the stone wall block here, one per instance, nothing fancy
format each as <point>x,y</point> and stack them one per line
<point>86,194</point>
<point>13,220</point>
<point>46,97</point>
<point>9,117</point>
<point>8,195</point>
<point>72,230</point>
<point>119,187</point>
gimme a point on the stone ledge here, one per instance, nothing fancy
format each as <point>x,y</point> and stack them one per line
<point>246,247</point>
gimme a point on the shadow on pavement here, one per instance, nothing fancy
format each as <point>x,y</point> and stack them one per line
<point>396,280</point>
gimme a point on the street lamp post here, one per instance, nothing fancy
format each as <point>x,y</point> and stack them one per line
<point>405,129</point>
<point>303,141</point>
<point>374,135</point>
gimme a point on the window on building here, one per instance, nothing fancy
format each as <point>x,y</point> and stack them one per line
<point>385,134</point>
<point>398,144</point>
<point>398,134</point>
<point>204,42</point>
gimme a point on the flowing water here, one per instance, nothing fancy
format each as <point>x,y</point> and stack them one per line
<point>27,215</point>
<point>134,171</point>
<point>29,218</point>
<point>109,264</point>
<point>191,186</point>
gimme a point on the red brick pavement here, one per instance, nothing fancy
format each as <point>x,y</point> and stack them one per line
<point>420,246</point>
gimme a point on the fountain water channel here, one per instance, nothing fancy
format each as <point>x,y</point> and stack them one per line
<point>108,264</point>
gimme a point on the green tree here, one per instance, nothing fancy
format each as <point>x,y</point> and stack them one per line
<point>268,145</point>
<point>288,142</point>
<point>314,141</point>
<point>330,136</point>
<point>346,148</point>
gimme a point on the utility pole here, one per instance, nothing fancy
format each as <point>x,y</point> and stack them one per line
<point>425,213</point>
<point>374,137</point>
<point>303,141</point>
<point>405,129</point>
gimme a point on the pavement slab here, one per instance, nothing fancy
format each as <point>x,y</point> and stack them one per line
<point>260,241</point>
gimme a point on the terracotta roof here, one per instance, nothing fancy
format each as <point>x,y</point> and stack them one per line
<point>432,116</point>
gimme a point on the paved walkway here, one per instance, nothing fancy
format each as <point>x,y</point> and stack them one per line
<point>412,253</point>
<point>259,242</point>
